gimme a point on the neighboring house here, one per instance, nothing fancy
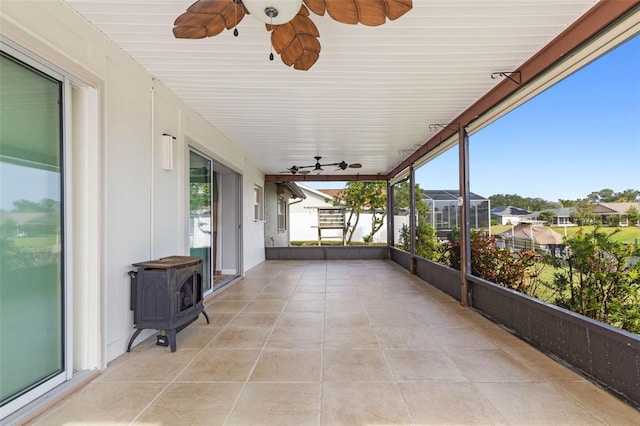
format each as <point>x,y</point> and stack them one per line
<point>304,218</point>
<point>510,215</point>
<point>606,210</point>
<point>561,216</point>
<point>277,212</point>
<point>532,236</point>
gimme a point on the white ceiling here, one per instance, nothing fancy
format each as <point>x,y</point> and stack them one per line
<point>370,97</point>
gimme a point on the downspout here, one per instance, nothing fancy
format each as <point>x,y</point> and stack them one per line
<point>463,203</point>
<point>289,221</point>
<point>151,161</point>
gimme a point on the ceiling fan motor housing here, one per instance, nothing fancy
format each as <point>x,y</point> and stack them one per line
<point>276,12</point>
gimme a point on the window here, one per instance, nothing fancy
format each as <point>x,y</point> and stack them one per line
<point>282,214</point>
<point>258,203</point>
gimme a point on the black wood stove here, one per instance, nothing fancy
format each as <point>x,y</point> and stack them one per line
<point>166,295</point>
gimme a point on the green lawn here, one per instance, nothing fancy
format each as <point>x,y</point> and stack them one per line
<point>33,243</point>
<point>627,234</point>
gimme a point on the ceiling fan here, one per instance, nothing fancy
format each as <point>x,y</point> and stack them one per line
<point>318,168</point>
<point>293,35</point>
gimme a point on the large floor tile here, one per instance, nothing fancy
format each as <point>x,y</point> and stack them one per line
<point>355,366</point>
<point>363,404</point>
<point>103,403</point>
<point>301,319</point>
<point>255,319</point>
<point>413,337</point>
<point>296,338</point>
<point>350,338</point>
<point>491,365</point>
<point>154,364</point>
<point>600,403</point>
<point>461,338</point>
<point>288,365</point>
<point>535,403</point>
<point>411,365</point>
<point>438,403</point>
<point>347,319</point>
<point>283,404</point>
<point>188,404</point>
<point>216,365</point>
<point>241,338</point>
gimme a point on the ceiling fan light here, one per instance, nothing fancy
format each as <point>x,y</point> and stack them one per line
<point>274,12</point>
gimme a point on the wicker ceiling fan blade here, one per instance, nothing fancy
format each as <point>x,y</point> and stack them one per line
<point>397,8</point>
<point>367,12</point>
<point>207,18</point>
<point>316,6</point>
<point>297,41</point>
<point>355,166</point>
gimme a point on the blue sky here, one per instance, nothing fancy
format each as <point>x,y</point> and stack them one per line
<point>580,136</point>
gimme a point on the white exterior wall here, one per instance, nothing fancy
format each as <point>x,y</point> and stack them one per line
<point>126,207</point>
<point>304,220</point>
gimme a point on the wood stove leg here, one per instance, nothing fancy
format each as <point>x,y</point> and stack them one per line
<point>172,339</point>
<point>206,316</point>
<point>138,331</point>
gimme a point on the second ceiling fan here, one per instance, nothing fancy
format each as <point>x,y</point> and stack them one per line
<point>318,167</point>
<point>293,35</point>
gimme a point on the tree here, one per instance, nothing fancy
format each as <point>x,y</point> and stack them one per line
<point>401,197</point>
<point>427,245</point>
<point>633,214</point>
<point>519,271</point>
<point>628,196</point>
<point>603,196</point>
<point>531,204</point>
<point>546,215</point>
<point>602,282</point>
<point>46,205</point>
<point>567,203</point>
<point>610,196</point>
<point>583,214</point>
<point>358,196</point>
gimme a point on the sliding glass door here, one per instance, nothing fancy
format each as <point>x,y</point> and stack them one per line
<point>203,214</point>
<point>214,219</point>
<point>32,337</point>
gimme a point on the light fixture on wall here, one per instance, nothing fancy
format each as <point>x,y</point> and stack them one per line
<point>275,12</point>
<point>167,151</point>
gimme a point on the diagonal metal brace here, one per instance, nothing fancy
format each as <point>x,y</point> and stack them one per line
<point>450,126</point>
<point>508,75</point>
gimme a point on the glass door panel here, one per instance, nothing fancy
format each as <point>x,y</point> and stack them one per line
<point>31,234</point>
<point>202,214</point>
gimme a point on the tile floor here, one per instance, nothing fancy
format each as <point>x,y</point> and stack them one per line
<point>338,343</point>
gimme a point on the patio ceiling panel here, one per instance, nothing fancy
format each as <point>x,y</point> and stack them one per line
<point>370,97</point>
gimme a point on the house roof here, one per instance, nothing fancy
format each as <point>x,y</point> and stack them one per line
<point>296,191</point>
<point>510,211</point>
<point>540,234</point>
<point>561,212</point>
<point>449,195</point>
<point>614,208</point>
<point>330,192</point>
